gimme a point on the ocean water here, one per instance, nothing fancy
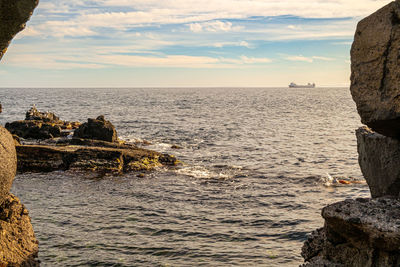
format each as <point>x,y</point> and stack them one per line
<point>249,192</point>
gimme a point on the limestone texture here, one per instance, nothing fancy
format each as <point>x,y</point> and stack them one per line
<point>379,160</point>
<point>98,129</point>
<point>8,162</point>
<point>357,233</point>
<point>13,16</point>
<point>375,70</point>
<point>18,245</point>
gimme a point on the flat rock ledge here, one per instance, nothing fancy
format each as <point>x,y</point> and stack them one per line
<point>90,155</point>
<point>361,232</point>
<point>18,245</point>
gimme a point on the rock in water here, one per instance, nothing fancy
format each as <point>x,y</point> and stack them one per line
<point>18,245</point>
<point>379,159</point>
<point>13,16</point>
<point>359,233</point>
<point>98,129</point>
<point>375,70</point>
<point>8,162</point>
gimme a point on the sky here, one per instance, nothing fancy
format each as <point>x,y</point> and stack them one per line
<point>185,43</point>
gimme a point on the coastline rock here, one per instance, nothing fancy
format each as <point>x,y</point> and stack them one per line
<point>8,162</point>
<point>98,129</point>
<point>18,244</point>
<point>13,16</point>
<point>41,125</point>
<point>34,129</point>
<point>362,232</point>
<point>379,160</point>
<point>105,159</point>
<point>375,70</point>
<point>34,114</point>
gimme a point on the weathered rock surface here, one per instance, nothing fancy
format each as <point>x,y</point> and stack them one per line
<point>18,245</point>
<point>104,159</point>
<point>98,129</point>
<point>379,159</point>
<point>40,125</point>
<point>13,16</point>
<point>362,232</point>
<point>34,129</point>
<point>375,70</point>
<point>8,162</point>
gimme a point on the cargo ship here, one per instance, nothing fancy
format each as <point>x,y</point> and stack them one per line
<point>308,85</point>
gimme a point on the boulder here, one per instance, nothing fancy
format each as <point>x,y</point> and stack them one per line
<point>13,16</point>
<point>18,244</point>
<point>8,162</point>
<point>34,129</point>
<point>41,125</point>
<point>98,129</point>
<point>379,159</point>
<point>375,70</point>
<point>361,232</point>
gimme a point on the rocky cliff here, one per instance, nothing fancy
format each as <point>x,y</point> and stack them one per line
<point>366,232</point>
<point>18,245</point>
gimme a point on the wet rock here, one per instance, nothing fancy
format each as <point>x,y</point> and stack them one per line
<point>357,233</point>
<point>18,244</point>
<point>379,159</point>
<point>8,162</point>
<point>46,158</point>
<point>13,17</point>
<point>98,129</point>
<point>375,70</point>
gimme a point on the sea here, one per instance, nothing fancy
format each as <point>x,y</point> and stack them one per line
<point>255,175</point>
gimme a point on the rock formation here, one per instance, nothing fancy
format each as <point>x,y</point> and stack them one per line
<point>375,73</point>
<point>98,129</point>
<point>98,150</point>
<point>40,125</point>
<point>365,232</point>
<point>8,162</point>
<point>361,232</point>
<point>18,245</point>
<point>379,159</point>
<point>13,16</point>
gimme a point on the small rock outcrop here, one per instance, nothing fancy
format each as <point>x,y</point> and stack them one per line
<point>40,125</point>
<point>13,16</point>
<point>379,159</point>
<point>94,146</point>
<point>375,70</point>
<point>361,232</point>
<point>98,129</point>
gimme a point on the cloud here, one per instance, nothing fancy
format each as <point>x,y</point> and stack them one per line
<point>307,59</point>
<point>214,26</point>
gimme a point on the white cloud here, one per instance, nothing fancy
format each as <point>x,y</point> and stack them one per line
<point>214,26</point>
<point>306,59</point>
